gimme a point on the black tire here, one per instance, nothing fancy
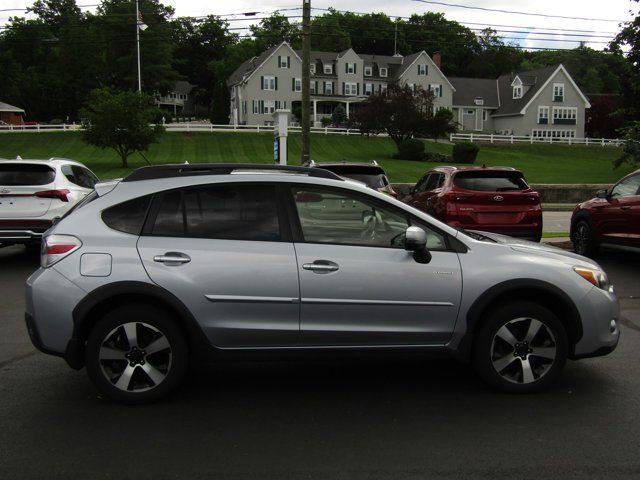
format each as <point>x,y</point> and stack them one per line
<point>584,239</point>
<point>168,365</point>
<point>520,317</point>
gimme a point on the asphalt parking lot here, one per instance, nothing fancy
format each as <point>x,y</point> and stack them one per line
<point>401,418</point>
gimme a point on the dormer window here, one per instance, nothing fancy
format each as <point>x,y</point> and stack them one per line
<point>517,91</point>
<point>312,69</point>
<point>328,68</point>
<point>383,71</point>
<point>368,71</point>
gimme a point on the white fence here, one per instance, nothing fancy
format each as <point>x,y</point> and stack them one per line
<point>492,138</point>
<point>185,127</point>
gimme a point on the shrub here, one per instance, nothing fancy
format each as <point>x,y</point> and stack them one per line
<point>56,121</point>
<point>325,121</point>
<point>465,152</point>
<point>339,116</point>
<point>411,149</point>
<point>437,157</point>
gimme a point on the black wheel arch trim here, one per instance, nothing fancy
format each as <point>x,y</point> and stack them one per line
<point>74,353</point>
<point>581,215</point>
<point>474,315</point>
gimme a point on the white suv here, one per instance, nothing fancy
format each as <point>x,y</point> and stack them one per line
<point>33,193</point>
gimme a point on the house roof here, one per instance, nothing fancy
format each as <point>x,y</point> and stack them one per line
<point>535,78</point>
<point>5,107</point>
<point>468,89</point>
<point>250,65</point>
<point>406,63</point>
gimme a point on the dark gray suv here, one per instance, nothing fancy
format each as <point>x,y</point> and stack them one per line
<point>179,261</point>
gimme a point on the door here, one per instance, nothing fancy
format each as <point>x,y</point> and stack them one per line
<point>222,251</point>
<point>618,218</point>
<point>358,285</point>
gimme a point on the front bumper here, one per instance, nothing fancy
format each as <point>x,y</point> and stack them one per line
<point>600,313</point>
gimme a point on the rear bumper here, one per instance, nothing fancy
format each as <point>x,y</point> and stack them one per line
<point>528,232</point>
<point>23,231</point>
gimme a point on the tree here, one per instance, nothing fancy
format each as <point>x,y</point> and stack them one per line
<point>121,121</point>
<point>402,113</point>
<point>441,124</point>
<point>630,37</point>
<point>631,147</point>
<point>339,116</point>
<point>275,29</point>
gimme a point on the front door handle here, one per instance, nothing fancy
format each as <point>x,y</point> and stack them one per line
<point>625,207</point>
<point>172,258</point>
<point>321,266</point>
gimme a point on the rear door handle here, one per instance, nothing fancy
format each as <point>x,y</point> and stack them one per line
<point>172,258</point>
<point>321,266</point>
<point>625,207</point>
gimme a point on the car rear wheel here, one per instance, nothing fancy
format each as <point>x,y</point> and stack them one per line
<point>136,354</point>
<point>584,241</point>
<point>520,348</point>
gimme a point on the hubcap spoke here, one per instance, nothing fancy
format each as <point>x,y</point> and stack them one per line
<point>131,332</point>
<point>527,372</point>
<point>154,374</point>
<point>107,353</point>
<point>506,335</point>
<point>157,345</point>
<point>502,363</point>
<point>544,352</point>
<point>125,378</point>
<point>534,328</point>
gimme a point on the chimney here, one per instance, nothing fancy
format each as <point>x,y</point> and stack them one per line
<point>437,59</point>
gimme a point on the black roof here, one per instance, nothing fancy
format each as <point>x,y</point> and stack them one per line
<point>470,89</point>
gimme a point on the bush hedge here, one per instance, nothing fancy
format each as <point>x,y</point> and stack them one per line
<point>465,152</point>
<point>411,149</point>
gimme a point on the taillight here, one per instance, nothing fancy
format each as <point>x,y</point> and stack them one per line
<point>59,194</point>
<point>57,247</point>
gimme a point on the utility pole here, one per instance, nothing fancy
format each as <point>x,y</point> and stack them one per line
<point>306,79</point>
<point>138,45</point>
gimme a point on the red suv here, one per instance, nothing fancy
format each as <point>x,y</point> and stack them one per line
<point>496,199</point>
<point>613,217</point>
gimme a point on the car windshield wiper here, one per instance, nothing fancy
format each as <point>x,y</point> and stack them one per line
<point>477,236</point>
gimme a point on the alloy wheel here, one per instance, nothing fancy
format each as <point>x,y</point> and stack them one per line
<point>523,350</point>
<point>582,238</point>
<point>135,357</point>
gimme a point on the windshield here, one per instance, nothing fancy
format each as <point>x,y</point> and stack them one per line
<point>490,181</point>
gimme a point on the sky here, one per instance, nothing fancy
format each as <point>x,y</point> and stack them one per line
<point>599,23</point>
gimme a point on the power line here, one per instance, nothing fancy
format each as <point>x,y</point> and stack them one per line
<point>485,9</point>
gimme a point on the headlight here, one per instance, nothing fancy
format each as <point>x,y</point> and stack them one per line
<point>595,277</point>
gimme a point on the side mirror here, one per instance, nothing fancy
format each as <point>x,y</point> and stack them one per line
<point>604,193</point>
<point>416,242</point>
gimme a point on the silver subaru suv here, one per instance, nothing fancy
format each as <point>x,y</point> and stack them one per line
<point>179,261</point>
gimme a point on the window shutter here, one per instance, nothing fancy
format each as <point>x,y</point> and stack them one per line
<point>343,88</point>
<point>279,61</point>
<point>288,61</point>
<point>355,65</point>
<point>293,84</point>
<point>276,83</point>
<point>426,69</point>
<point>357,88</point>
<point>253,106</point>
<point>261,83</point>
<point>440,89</point>
<point>418,69</point>
<point>324,87</point>
<point>346,68</point>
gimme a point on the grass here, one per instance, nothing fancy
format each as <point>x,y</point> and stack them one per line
<point>540,163</point>
<point>555,234</point>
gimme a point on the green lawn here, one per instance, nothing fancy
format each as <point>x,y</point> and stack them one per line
<point>540,163</point>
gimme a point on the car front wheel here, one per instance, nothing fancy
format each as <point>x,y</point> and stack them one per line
<point>136,354</point>
<point>520,348</point>
<point>584,242</point>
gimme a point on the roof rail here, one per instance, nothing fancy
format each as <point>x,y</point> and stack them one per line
<point>194,169</point>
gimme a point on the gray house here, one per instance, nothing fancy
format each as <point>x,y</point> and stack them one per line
<point>273,80</point>
<point>544,103</point>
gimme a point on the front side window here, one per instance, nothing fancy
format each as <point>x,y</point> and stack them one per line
<point>228,212</point>
<point>328,216</point>
<point>339,217</point>
<point>626,188</point>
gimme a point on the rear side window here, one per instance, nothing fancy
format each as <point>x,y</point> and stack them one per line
<point>15,174</point>
<point>490,181</point>
<point>127,217</point>
<point>79,176</point>
<point>230,212</point>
